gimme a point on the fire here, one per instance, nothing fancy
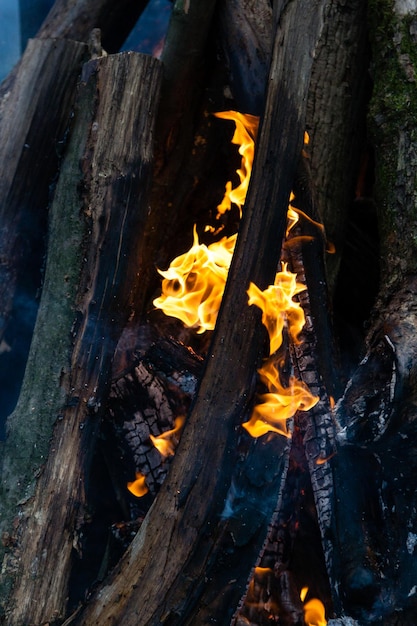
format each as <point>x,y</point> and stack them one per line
<point>279,308</point>
<point>276,407</point>
<point>246,128</point>
<point>138,487</point>
<point>194,283</point>
<point>166,442</point>
<point>314,612</point>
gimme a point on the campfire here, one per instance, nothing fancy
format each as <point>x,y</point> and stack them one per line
<point>202,430</point>
<point>192,290</point>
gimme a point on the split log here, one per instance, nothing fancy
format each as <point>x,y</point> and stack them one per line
<point>181,565</point>
<point>99,208</point>
<point>34,120</point>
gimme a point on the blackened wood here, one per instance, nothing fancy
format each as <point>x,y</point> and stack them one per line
<point>34,118</point>
<point>177,565</point>
<point>99,207</point>
<point>75,20</point>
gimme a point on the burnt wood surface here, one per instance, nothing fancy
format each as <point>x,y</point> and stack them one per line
<point>182,542</point>
<point>99,207</point>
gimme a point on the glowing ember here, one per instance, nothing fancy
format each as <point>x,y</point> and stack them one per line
<point>193,284</point>
<point>138,487</point>
<point>314,612</point>
<point>244,136</point>
<point>168,440</point>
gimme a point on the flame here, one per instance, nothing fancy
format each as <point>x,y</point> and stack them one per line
<point>167,441</point>
<point>194,283</point>
<point>138,487</point>
<point>278,307</point>
<point>246,128</point>
<point>279,405</point>
<point>314,612</point>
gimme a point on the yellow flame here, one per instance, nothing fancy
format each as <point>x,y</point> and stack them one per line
<point>314,611</point>
<point>194,283</point>
<point>279,405</point>
<point>138,487</point>
<point>167,441</point>
<point>246,128</point>
<point>278,307</point>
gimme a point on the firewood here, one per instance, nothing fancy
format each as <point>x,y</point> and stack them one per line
<point>76,20</point>
<point>99,207</point>
<point>183,560</point>
<point>246,38</point>
<point>35,111</point>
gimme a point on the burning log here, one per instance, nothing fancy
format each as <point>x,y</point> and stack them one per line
<point>206,529</point>
<point>99,208</point>
<point>183,526</point>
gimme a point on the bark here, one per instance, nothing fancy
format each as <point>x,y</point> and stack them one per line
<point>184,541</point>
<point>99,207</point>
<point>377,410</point>
<point>34,118</point>
<point>336,118</point>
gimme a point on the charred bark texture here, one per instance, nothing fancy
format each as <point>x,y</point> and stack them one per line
<point>99,207</point>
<point>185,550</point>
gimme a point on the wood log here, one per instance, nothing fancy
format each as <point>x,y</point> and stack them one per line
<point>377,411</point>
<point>99,207</point>
<point>75,20</point>
<point>246,39</point>
<point>184,73</point>
<point>34,119</point>
<point>336,118</point>
<point>178,566</point>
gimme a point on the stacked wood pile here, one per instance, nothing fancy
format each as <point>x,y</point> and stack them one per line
<point>108,159</point>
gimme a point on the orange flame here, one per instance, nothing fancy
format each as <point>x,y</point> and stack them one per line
<point>138,487</point>
<point>278,307</point>
<point>279,405</point>
<point>194,283</point>
<point>314,612</point>
<point>167,441</point>
<point>246,128</point>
